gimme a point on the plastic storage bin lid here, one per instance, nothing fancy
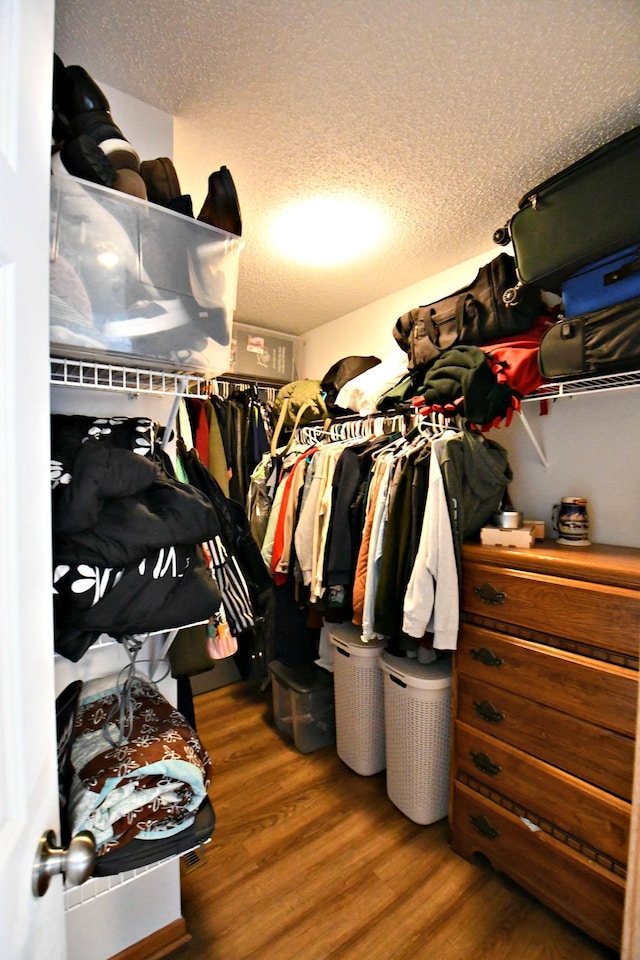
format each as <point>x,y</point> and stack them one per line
<point>431,676</point>
<point>302,679</point>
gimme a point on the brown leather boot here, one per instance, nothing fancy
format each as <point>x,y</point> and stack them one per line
<point>221,208</point>
<point>163,186</point>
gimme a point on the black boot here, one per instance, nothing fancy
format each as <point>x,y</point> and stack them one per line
<point>82,157</point>
<point>80,107</point>
<point>60,130</point>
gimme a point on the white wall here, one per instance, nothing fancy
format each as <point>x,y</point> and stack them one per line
<point>367,332</point>
<point>591,442</point>
<point>148,130</point>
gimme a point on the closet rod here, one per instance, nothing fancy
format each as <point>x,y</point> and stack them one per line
<point>248,379</point>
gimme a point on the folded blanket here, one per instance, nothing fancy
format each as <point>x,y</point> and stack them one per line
<point>147,784</point>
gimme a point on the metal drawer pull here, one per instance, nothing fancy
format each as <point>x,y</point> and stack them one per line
<point>482,825</point>
<point>489,594</point>
<point>485,763</point>
<point>486,657</point>
<point>488,712</point>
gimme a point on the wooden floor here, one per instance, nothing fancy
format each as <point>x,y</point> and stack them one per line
<point>310,861</point>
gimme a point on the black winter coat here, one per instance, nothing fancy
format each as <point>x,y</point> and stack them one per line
<point>127,535</point>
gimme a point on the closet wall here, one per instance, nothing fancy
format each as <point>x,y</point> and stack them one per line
<point>591,443</point>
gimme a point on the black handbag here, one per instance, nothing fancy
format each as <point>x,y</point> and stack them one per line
<point>474,315</point>
<point>595,344</point>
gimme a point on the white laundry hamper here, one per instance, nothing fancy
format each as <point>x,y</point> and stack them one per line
<point>417,710</point>
<point>359,700</point>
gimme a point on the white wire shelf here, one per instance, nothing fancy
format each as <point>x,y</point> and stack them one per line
<point>131,380</point>
<point>572,388</point>
<point>94,887</point>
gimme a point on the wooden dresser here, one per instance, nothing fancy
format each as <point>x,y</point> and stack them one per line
<point>545,693</point>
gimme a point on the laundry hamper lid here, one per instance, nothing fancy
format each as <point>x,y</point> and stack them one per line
<point>352,640</point>
<point>347,632</point>
<point>415,674</point>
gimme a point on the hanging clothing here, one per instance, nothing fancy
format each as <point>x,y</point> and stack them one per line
<point>397,557</point>
<point>360,576</point>
<point>343,535</point>
<point>322,520</point>
<point>432,597</point>
<point>262,488</point>
<point>371,526</point>
<point>376,540</point>
<point>217,458</point>
<point>476,475</point>
<point>286,518</point>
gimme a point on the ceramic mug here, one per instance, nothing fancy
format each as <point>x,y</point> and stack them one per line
<point>570,519</point>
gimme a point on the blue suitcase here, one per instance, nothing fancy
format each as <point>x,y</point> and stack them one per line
<point>612,280</point>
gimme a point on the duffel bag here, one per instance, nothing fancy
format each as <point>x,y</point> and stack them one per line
<point>595,344</point>
<point>473,316</point>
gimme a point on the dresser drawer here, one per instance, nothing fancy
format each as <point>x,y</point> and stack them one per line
<point>597,614</point>
<point>577,888</point>
<point>602,693</point>
<point>586,813</point>
<point>601,757</point>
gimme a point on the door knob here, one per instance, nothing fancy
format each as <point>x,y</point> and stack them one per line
<point>75,863</point>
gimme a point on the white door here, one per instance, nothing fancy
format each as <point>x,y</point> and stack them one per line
<point>30,928</point>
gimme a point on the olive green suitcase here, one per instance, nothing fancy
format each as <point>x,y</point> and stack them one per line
<point>579,215</point>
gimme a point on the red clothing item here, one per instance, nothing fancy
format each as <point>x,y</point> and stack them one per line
<point>278,539</point>
<point>514,360</point>
<point>201,438</point>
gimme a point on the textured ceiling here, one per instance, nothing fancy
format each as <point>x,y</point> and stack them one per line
<point>442,112</point>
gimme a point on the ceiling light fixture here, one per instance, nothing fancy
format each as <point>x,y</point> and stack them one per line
<point>324,231</point>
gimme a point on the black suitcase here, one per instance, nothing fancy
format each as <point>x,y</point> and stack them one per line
<point>578,216</point>
<point>596,344</point>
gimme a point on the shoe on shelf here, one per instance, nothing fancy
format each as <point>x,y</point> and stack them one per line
<point>82,157</point>
<point>182,204</point>
<point>161,180</point>
<point>163,186</point>
<point>221,208</point>
<point>60,128</point>
<point>80,107</point>
<point>128,181</point>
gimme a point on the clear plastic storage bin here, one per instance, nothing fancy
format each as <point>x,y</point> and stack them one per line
<point>359,700</point>
<point>303,705</point>
<point>131,279</point>
<point>417,704</point>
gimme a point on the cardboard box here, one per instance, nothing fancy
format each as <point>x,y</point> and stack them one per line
<point>524,536</point>
<point>538,528</point>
